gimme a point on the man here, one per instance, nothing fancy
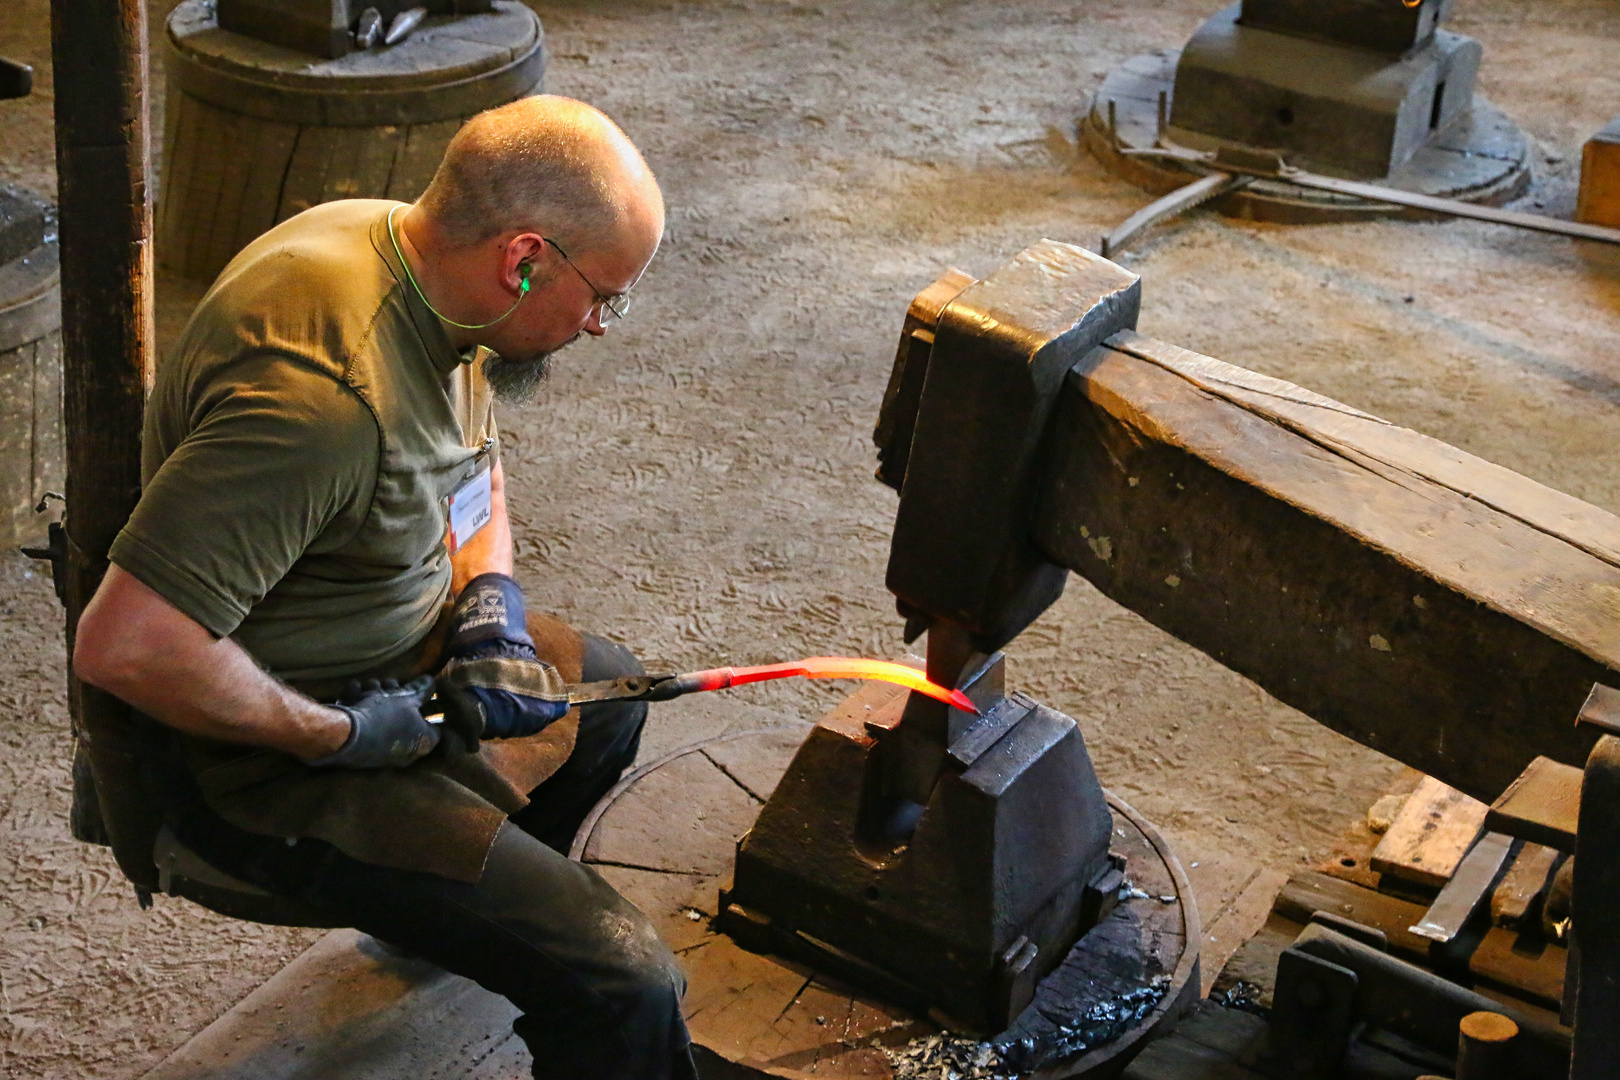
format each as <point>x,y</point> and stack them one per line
<point>323,518</point>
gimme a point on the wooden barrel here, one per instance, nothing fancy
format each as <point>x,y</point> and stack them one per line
<point>31,450</point>
<point>256,133</point>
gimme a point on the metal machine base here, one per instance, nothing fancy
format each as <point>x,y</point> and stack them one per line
<point>1331,95</point>
<point>1482,158</point>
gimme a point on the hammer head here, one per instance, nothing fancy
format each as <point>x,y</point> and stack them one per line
<point>16,80</point>
<point>963,425</point>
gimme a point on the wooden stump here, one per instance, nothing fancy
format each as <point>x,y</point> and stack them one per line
<point>256,133</point>
<point>31,451</point>
<point>665,838</point>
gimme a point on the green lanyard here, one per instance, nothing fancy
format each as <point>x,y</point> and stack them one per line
<point>523,269</point>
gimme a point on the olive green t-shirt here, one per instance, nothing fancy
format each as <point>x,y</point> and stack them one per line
<point>300,446</point>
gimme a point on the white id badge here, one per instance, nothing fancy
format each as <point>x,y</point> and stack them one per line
<point>470,509</point>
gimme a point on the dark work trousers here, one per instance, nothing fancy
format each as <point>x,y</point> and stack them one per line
<point>599,992</point>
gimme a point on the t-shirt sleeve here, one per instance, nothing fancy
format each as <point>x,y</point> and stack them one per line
<point>280,459</point>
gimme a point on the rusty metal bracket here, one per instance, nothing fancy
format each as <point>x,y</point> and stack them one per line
<point>1398,997</point>
<point>1177,202</point>
<point>1312,1017</point>
<point>54,552</point>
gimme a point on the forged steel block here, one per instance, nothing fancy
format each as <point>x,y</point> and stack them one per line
<point>1322,105</point>
<point>321,27</point>
<point>985,895</point>
<point>1384,26</point>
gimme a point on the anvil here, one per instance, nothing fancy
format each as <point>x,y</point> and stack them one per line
<point>949,859</point>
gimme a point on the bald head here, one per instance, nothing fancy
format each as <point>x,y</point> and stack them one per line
<point>548,164</point>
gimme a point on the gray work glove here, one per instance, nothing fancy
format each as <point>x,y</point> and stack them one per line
<point>386,727</point>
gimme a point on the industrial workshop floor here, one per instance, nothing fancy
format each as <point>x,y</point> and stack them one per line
<point>698,484</point>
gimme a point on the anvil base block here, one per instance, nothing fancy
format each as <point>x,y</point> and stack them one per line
<point>1008,864</point>
<point>1322,105</point>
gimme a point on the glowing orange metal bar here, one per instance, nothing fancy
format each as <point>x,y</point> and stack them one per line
<point>828,667</point>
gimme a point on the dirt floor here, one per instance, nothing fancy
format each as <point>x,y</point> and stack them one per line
<point>698,484</point>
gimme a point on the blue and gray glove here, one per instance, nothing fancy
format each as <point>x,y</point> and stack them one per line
<point>493,685</point>
<point>386,727</point>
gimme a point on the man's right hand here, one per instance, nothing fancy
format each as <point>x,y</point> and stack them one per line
<point>387,730</point>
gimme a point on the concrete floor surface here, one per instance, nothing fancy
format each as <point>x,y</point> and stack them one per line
<point>698,484</point>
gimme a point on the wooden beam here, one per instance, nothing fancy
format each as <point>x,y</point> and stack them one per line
<point>103,165</point>
<point>1430,835</point>
<point>1516,903</point>
<point>1542,806</point>
<point>1424,602</point>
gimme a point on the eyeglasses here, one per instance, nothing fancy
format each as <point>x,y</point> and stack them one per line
<point>613,307</point>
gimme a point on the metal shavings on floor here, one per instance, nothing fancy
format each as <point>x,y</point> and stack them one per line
<point>947,1057</point>
<point>1065,1036</point>
<point>951,1057</point>
<point>1240,995</point>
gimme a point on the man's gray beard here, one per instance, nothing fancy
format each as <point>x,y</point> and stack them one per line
<point>515,382</point>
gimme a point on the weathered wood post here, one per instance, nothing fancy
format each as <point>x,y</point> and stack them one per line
<point>103,166</point>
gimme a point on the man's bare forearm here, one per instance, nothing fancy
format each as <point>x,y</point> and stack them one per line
<point>490,549</point>
<point>133,643</point>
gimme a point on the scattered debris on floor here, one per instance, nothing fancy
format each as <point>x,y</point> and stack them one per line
<point>1384,812</point>
<point>1241,995</point>
<point>1099,1023</point>
<point>947,1057</point>
<point>952,1057</point>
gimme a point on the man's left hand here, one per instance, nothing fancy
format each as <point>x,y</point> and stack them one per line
<point>493,685</point>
